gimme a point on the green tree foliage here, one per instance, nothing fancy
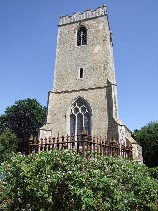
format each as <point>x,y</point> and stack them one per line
<point>3,123</point>
<point>154,172</point>
<point>147,137</point>
<point>8,144</point>
<point>24,119</point>
<point>62,180</point>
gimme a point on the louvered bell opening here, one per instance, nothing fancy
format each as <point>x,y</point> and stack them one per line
<point>84,37</point>
<point>81,36</point>
<point>78,38</point>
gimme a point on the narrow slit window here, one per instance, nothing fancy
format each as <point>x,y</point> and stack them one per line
<point>82,36</point>
<point>81,72</point>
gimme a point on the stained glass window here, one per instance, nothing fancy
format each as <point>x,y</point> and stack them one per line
<point>72,124</point>
<point>80,117</point>
<point>87,122</point>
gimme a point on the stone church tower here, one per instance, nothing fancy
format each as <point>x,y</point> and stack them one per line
<point>85,91</point>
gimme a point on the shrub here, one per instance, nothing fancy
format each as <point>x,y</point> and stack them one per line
<point>8,144</point>
<point>154,172</point>
<point>62,180</point>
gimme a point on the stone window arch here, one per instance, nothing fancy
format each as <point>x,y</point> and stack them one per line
<point>80,117</point>
<point>82,36</point>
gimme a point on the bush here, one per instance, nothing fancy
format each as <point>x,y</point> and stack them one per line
<point>154,172</point>
<point>62,180</point>
<point>8,144</point>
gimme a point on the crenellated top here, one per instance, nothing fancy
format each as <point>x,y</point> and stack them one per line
<point>100,11</point>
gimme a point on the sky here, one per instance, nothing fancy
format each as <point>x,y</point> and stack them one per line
<point>28,35</point>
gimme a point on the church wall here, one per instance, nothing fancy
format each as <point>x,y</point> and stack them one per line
<point>96,58</point>
<point>97,86</point>
<point>59,111</point>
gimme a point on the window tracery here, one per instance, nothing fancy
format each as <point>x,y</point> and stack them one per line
<point>80,117</point>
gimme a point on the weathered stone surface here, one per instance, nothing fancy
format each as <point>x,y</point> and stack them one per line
<point>98,85</point>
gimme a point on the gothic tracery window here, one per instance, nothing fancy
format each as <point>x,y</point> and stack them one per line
<point>80,117</point>
<point>82,36</point>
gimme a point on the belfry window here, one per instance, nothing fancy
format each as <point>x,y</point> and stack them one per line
<point>80,117</point>
<point>82,36</point>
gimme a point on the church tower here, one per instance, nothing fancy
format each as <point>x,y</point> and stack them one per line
<point>85,91</point>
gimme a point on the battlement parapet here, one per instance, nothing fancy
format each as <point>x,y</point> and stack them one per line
<point>88,14</point>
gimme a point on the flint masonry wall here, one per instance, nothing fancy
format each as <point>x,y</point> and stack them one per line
<point>61,115</point>
<point>96,59</point>
<point>97,87</point>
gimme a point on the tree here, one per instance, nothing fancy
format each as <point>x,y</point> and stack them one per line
<point>8,144</point>
<point>3,123</point>
<point>62,180</point>
<point>147,137</point>
<point>24,119</point>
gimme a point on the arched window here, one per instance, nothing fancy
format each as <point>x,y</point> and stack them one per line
<point>80,117</point>
<point>82,36</point>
